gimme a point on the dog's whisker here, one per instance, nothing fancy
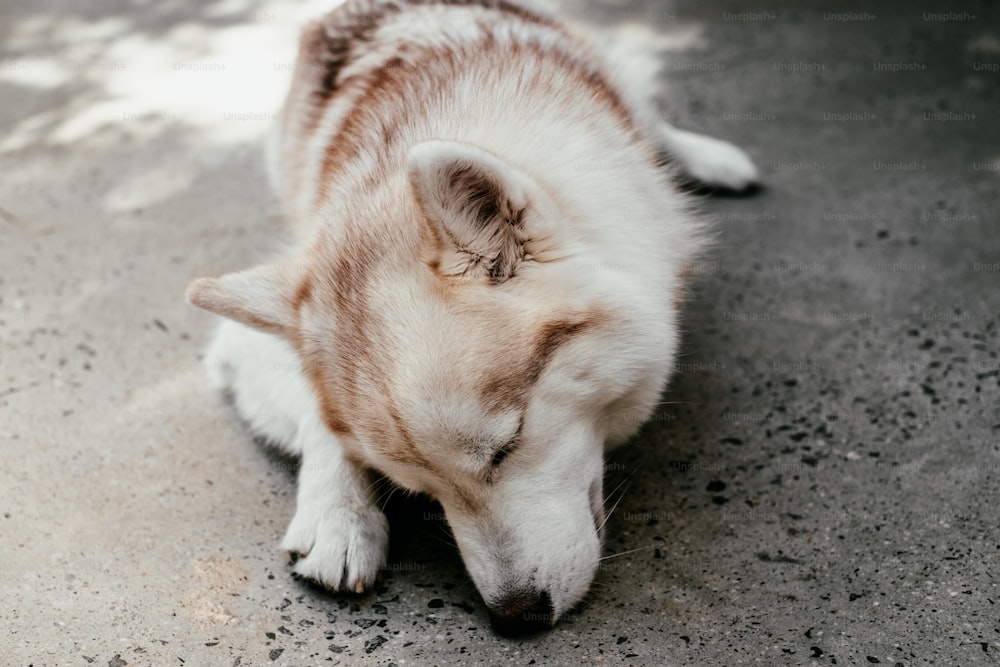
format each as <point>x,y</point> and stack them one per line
<point>379,486</point>
<point>625,553</point>
<point>627,479</point>
<point>449,541</point>
<point>382,490</point>
<point>383,500</point>
<point>621,496</point>
<point>653,404</point>
<point>641,406</point>
<point>467,583</point>
<point>608,514</point>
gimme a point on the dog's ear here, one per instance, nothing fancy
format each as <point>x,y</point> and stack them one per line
<point>263,297</point>
<point>477,204</point>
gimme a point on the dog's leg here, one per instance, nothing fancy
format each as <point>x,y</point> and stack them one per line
<point>263,375</point>
<point>709,161</point>
<point>338,531</point>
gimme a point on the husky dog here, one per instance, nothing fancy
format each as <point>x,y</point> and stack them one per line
<point>489,254</point>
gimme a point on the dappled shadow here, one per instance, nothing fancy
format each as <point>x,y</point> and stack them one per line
<point>89,77</point>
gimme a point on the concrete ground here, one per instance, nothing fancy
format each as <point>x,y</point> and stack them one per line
<point>819,487</point>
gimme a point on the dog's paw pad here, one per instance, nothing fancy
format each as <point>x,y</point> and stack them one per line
<point>349,549</point>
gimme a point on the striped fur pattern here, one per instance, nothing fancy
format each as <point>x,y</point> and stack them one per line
<point>490,250</point>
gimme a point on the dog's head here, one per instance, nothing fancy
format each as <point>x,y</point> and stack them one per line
<point>468,341</point>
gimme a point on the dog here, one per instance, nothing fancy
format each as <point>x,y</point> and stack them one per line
<point>489,254</point>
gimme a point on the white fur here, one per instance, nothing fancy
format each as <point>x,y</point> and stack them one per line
<point>603,232</point>
<point>338,532</point>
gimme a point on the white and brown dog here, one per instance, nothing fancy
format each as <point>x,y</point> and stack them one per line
<point>490,254</point>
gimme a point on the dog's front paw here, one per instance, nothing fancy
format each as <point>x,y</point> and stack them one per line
<point>339,548</point>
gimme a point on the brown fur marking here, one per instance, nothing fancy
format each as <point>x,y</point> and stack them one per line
<point>431,68</point>
<point>592,79</point>
<point>355,23</point>
<point>303,293</point>
<point>511,389</point>
<point>407,453</point>
<point>329,408</point>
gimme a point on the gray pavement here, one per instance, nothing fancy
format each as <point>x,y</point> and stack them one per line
<point>819,487</point>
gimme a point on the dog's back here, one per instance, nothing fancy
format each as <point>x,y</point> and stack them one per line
<point>376,77</point>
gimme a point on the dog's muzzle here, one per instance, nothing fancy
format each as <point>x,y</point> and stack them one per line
<point>524,612</point>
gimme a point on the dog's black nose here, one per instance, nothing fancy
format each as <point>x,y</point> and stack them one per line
<point>525,612</point>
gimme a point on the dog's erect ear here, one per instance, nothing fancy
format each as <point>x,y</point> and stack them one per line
<point>478,204</point>
<point>263,297</point>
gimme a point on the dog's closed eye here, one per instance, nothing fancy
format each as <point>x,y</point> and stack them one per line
<point>498,459</point>
<point>500,454</point>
